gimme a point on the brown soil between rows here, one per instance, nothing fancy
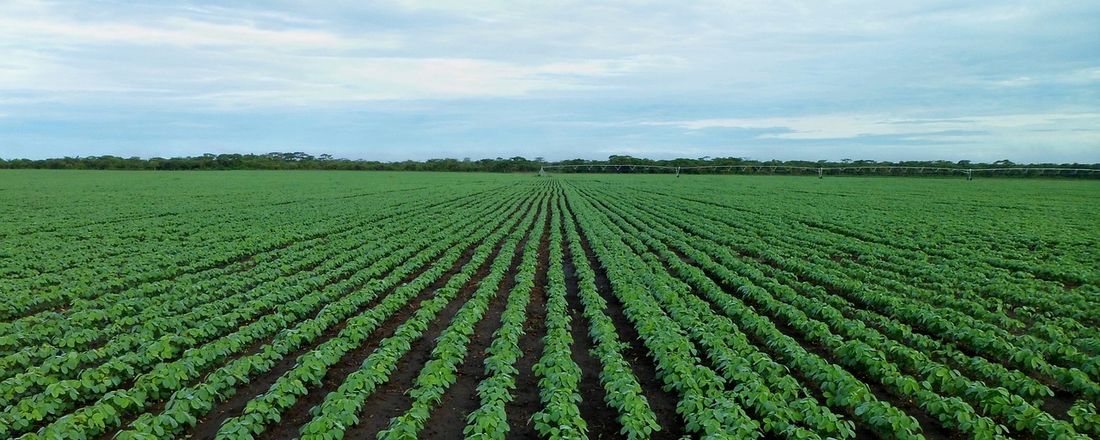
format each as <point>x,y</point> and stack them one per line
<point>663,403</point>
<point>448,419</point>
<point>221,411</point>
<point>298,415</point>
<point>862,432</point>
<point>601,418</point>
<point>208,426</point>
<point>930,426</point>
<point>526,400</point>
<point>391,400</point>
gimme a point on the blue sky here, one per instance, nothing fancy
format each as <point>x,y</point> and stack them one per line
<point>403,79</point>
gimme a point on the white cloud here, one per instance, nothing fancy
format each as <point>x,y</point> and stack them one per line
<point>498,73</point>
<point>1074,77</point>
<point>656,151</point>
<point>847,126</point>
<point>51,26</point>
<point>320,80</point>
<point>226,58</point>
<point>173,31</point>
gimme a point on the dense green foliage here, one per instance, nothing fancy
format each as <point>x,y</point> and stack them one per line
<point>613,164</point>
<point>247,304</point>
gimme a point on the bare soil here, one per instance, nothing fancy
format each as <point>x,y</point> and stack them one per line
<point>602,419</point>
<point>662,402</point>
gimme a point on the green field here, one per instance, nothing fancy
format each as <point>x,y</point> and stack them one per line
<point>319,305</point>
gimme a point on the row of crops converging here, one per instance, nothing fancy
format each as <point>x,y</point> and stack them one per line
<point>570,307</point>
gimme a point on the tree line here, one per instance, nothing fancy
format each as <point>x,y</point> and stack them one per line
<point>615,163</point>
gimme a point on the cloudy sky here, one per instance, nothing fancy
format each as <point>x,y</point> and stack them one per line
<point>402,79</point>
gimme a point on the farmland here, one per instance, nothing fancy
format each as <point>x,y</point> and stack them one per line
<point>322,305</point>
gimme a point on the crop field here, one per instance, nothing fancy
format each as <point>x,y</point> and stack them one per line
<point>325,305</point>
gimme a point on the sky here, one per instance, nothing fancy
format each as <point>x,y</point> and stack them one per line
<point>403,79</point>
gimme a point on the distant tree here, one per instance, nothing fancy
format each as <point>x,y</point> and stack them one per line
<point>303,161</point>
